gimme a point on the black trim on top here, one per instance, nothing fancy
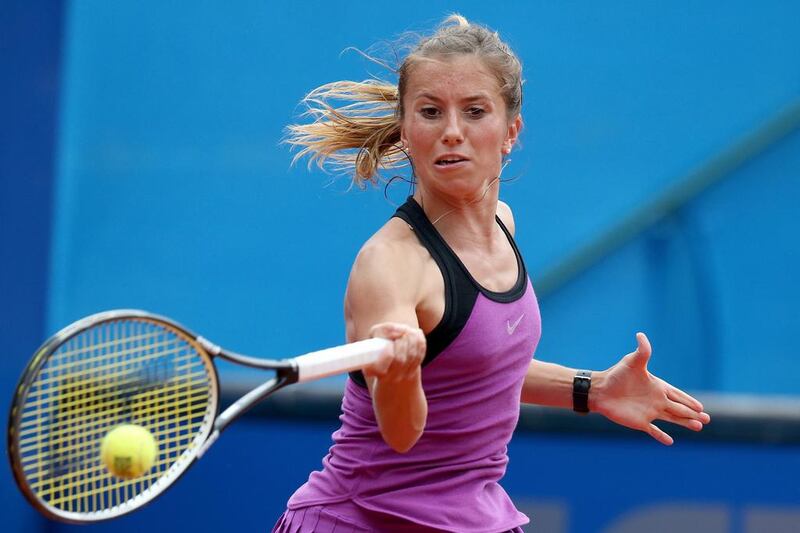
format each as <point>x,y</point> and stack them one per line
<point>459,291</point>
<point>512,294</point>
<point>460,288</point>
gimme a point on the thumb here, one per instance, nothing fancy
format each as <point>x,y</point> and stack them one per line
<point>643,350</point>
<point>386,330</point>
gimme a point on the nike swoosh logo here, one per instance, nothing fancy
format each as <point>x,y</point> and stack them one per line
<point>511,327</point>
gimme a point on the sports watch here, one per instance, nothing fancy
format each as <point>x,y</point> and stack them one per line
<point>581,384</point>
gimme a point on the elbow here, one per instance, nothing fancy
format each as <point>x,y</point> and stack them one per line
<point>401,417</point>
<point>402,443</point>
<point>401,438</point>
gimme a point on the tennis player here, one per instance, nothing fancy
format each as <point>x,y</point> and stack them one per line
<point>422,445</point>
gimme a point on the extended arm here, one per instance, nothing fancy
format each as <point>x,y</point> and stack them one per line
<point>626,394</point>
<point>380,302</point>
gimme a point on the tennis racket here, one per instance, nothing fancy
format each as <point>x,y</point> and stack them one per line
<point>128,366</point>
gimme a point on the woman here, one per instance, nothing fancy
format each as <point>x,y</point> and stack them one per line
<point>424,431</point>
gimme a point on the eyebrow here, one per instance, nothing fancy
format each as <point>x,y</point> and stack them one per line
<point>472,98</point>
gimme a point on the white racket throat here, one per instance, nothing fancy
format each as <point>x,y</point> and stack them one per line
<point>338,360</point>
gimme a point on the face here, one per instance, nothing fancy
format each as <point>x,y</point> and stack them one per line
<point>455,125</point>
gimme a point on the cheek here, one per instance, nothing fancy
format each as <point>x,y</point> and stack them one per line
<point>490,139</point>
<point>420,135</point>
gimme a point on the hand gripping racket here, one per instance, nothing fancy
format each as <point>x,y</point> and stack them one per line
<point>129,366</point>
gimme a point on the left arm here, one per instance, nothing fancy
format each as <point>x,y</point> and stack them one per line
<point>550,384</point>
<point>626,394</point>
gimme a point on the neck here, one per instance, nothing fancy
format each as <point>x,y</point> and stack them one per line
<point>470,217</point>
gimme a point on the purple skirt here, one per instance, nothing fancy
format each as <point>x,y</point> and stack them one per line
<point>315,519</point>
<point>332,519</point>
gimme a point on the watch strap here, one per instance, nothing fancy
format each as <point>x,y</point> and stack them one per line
<point>581,384</point>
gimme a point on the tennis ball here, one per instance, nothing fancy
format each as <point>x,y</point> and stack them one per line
<point>128,451</point>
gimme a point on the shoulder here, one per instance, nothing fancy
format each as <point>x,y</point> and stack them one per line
<point>389,263</point>
<point>506,216</point>
<point>393,248</point>
<point>385,282</point>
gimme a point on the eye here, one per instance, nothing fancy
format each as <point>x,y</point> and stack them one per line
<point>429,112</point>
<point>476,112</point>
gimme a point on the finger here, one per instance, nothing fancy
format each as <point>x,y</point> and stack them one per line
<point>400,354</point>
<point>659,435</point>
<point>643,350</point>
<point>408,359</point>
<point>420,345</point>
<point>392,366</point>
<point>688,423</point>
<point>677,395</point>
<point>681,411</point>
<point>386,330</point>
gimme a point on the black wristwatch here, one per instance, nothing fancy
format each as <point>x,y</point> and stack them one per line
<point>581,384</point>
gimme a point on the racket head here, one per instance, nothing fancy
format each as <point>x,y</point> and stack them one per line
<point>122,366</point>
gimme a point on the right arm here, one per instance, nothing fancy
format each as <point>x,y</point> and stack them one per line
<point>381,300</point>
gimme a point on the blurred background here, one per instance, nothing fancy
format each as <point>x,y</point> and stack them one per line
<point>656,189</point>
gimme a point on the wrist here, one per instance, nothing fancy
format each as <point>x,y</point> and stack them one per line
<point>597,392</point>
<point>581,386</point>
<point>588,389</point>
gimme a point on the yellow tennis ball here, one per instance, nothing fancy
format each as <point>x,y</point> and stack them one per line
<point>128,451</point>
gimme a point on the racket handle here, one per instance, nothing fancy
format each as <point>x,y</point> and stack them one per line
<point>338,360</point>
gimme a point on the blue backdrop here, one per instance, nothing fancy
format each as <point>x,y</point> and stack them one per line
<point>141,166</point>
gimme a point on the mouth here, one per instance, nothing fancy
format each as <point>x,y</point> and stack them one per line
<point>450,160</point>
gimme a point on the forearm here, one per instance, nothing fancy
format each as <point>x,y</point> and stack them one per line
<point>550,384</point>
<point>401,410</point>
<point>627,393</point>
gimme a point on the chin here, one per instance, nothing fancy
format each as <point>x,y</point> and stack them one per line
<point>460,186</point>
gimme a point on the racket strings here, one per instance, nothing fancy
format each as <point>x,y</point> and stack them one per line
<point>75,392</point>
<point>83,367</point>
<point>149,415</point>
<point>125,371</point>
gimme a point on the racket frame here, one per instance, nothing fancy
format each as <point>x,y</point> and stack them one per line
<point>177,468</point>
<point>308,367</point>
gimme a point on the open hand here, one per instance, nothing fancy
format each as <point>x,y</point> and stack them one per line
<point>631,396</point>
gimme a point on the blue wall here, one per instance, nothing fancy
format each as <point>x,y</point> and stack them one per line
<point>174,193</point>
<point>141,166</point>
<point>566,484</point>
<point>30,56</point>
<point>714,284</point>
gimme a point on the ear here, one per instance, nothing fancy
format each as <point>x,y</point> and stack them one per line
<point>403,140</point>
<point>514,127</point>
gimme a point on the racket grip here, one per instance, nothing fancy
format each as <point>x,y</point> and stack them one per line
<point>338,360</point>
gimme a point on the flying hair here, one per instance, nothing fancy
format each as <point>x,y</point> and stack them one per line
<point>356,124</point>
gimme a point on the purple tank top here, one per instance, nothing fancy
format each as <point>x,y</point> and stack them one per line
<point>473,374</point>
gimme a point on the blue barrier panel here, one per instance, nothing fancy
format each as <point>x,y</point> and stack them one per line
<point>568,483</point>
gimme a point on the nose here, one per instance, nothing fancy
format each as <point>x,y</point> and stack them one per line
<point>453,132</point>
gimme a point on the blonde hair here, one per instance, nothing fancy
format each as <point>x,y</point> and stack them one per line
<point>364,131</point>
